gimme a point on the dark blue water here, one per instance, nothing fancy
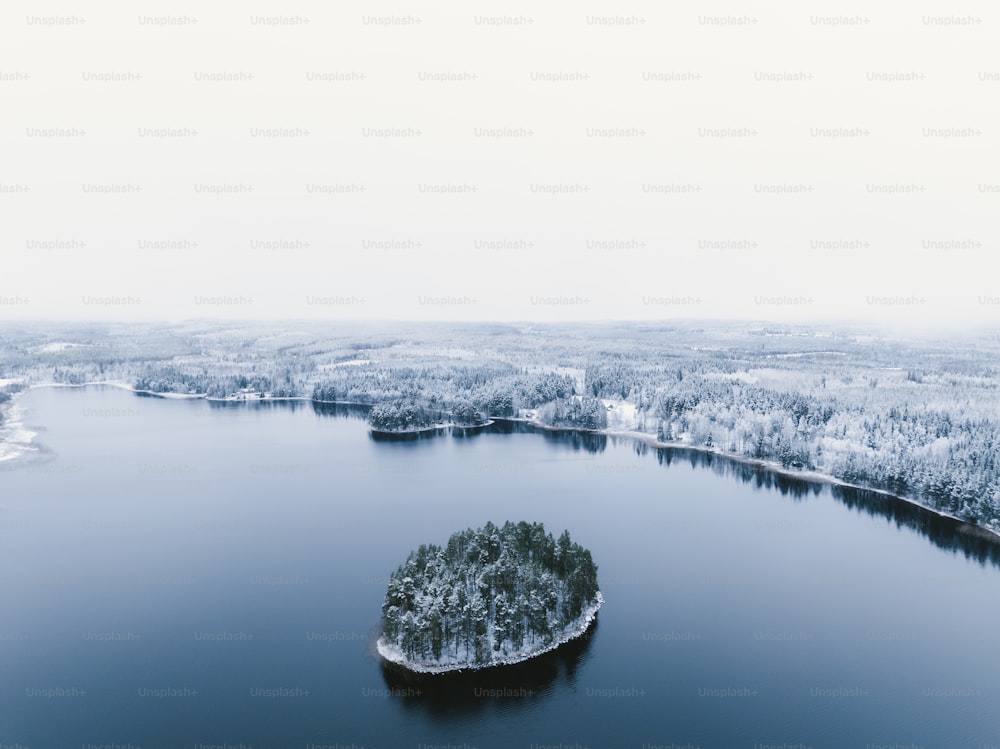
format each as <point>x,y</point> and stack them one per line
<point>178,574</point>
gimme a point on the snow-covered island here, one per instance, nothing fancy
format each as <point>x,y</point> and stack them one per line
<point>490,597</point>
<point>407,418</point>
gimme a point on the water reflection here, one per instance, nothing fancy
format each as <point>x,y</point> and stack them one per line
<point>587,441</point>
<point>574,440</point>
<point>349,410</point>
<point>761,476</point>
<point>274,404</point>
<point>590,442</point>
<point>944,532</point>
<point>505,688</point>
<point>461,432</point>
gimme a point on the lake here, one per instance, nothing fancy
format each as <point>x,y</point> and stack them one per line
<point>188,574</point>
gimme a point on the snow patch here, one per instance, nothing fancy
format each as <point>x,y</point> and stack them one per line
<point>621,414</point>
<point>347,363</point>
<point>57,346</point>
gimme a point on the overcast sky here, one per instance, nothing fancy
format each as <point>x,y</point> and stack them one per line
<point>507,161</point>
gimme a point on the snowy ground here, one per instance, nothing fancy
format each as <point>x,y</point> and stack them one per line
<point>578,627</point>
<point>57,346</point>
<point>15,438</point>
<point>348,363</point>
<point>621,415</point>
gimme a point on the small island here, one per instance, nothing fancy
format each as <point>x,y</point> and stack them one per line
<point>408,418</point>
<point>402,418</point>
<point>493,596</point>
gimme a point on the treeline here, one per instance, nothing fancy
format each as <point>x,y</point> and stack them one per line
<point>492,390</point>
<point>926,435</point>
<point>489,593</point>
<point>172,379</point>
<point>401,418</point>
<point>575,413</point>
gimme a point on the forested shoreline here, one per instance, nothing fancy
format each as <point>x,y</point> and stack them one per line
<point>915,417</point>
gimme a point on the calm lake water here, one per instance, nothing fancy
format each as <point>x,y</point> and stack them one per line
<point>183,574</point>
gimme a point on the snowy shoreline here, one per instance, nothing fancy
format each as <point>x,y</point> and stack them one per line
<point>579,627</point>
<point>413,430</point>
<point>15,439</point>
<point>810,476</point>
<point>11,448</point>
<point>120,386</point>
<point>432,428</point>
<point>181,396</point>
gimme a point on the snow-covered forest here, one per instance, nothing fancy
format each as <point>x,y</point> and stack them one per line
<point>496,594</point>
<point>918,416</point>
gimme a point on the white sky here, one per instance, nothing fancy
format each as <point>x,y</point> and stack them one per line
<point>730,248</point>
